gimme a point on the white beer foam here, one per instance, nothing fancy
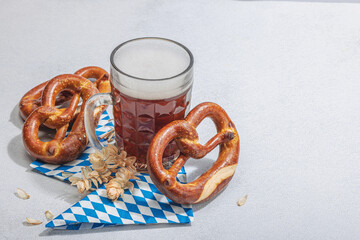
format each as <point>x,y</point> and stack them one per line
<point>153,60</point>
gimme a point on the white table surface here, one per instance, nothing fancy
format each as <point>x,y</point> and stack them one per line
<point>287,72</point>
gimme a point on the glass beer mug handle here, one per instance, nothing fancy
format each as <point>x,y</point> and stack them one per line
<point>91,104</point>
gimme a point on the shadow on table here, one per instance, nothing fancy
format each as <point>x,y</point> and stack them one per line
<point>15,148</point>
<point>15,117</point>
<point>198,167</point>
<point>17,152</point>
<point>317,1</point>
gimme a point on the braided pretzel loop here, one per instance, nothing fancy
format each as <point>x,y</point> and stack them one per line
<point>183,131</point>
<point>32,99</point>
<point>63,149</point>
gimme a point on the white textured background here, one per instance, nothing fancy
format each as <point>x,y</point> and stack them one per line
<point>287,72</point>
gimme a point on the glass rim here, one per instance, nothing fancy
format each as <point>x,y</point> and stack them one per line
<point>191,62</point>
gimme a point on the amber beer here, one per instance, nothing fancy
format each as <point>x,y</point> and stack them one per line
<point>138,120</point>
<point>151,81</point>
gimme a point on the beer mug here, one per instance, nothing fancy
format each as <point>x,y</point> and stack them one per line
<point>151,80</point>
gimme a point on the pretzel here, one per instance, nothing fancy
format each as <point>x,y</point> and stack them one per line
<point>32,99</point>
<point>183,131</point>
<point>62,150</point>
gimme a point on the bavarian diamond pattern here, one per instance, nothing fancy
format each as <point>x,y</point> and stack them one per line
<point>144,206</point>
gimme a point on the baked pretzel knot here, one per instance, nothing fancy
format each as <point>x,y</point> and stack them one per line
<point>183,131</point>
<point>61,149</point>
<point>32,99</point>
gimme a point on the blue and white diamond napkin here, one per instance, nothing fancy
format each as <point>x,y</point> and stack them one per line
<point>144,206</point>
